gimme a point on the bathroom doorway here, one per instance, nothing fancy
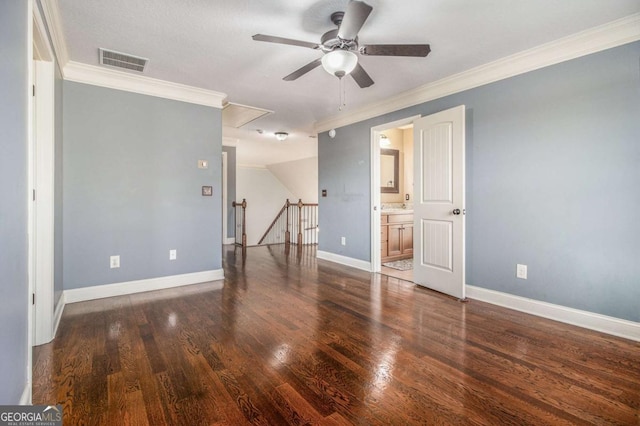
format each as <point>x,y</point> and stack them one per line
<point>392,194</point>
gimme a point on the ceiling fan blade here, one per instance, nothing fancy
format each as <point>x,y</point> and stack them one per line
<point>282,40</point>
<point>302,71</point>
<point>421,50</point>
<point>361,77</point>
<point>354,17</point>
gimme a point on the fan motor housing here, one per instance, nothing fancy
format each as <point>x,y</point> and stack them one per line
<point>330,41</point>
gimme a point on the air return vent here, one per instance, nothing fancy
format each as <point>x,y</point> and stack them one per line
<point>236,115</point>
<point>122,60</point>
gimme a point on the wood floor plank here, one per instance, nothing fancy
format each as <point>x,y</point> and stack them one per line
<point>289,339</point>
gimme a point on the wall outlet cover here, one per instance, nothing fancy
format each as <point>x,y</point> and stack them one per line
<point>114,261</point>
<point>207,191</point>
<point>521,271</point>
<point>173,254</point>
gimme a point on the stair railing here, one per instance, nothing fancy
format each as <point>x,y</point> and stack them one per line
<point>294,224</point>
<point>242,221</point>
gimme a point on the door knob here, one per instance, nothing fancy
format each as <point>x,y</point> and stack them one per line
<point>456,211</point>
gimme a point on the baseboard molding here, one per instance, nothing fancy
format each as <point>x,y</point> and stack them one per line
<point>605,324</point>
<point>140,286</point>
<point>57,315</point>
<point>344,260</point>
<point>229,240</point>
<point>25,398</point>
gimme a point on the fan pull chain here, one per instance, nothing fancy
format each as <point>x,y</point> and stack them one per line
<point>343,95</point>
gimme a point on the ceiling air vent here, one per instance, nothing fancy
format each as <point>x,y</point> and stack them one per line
<point>122,60</point>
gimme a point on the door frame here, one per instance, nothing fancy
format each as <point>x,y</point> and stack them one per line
<point>375,186</point>
<point>225,212</point>
<point>40,176</point>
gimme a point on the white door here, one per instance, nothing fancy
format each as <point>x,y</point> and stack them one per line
<point>438,231</point>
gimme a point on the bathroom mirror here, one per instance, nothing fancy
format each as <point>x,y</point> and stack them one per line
<point>389,166</point>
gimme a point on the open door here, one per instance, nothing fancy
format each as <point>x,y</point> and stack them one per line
<point>438,255</point>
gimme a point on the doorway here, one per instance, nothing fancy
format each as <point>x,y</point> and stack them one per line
<point>392,198</point>
<point>396,202</point>
<point>429,229</point>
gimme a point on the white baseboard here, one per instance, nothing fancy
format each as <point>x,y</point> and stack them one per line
<point>229,240</point>
<point>344,260</point>
<point>140,286</point>
<point>25,398</point>
<point>57,315</point>
<point>610,325</point>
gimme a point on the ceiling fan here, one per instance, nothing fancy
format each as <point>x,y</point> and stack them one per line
<point>339,46</point>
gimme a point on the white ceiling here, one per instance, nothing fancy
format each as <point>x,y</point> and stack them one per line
<point>207,44</point>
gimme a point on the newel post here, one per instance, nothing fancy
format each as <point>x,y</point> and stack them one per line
<point>300,205</point>
<point>287,234</point>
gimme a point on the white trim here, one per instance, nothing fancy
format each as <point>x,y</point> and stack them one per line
<point>25,398</point>
<point>52,18</point>
<point>344,260</point>
<point>229,240</point>
<point>31,223</point>
<point>612,34</point>
<point>605,324</point>
<point>105,77</point>
<point>140,286</point>
<point>227,141</point>
<point>225,183</point>
<point>44,203</point>
<point>57,315</point>
<point>250,166</point>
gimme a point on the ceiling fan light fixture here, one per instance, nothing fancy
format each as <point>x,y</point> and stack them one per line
<point>339,62</point>
<point>281,136</point>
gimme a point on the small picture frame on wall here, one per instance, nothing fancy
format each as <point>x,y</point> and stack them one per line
<point>207,191</point>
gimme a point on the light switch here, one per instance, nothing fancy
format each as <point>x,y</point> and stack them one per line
<point>203,164</point>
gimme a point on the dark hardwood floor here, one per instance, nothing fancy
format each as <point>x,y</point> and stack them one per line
<point>287,339</point>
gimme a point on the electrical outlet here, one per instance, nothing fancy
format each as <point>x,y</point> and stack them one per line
<point>114,261</point>
<point>173,254</point>
<point>521,271</point>
<point>343,241</point>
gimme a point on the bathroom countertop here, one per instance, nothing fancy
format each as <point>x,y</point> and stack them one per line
<point>383,211</point>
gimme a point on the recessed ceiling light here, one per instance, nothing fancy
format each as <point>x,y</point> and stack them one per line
<point>281,135</point>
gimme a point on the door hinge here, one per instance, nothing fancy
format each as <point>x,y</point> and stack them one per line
<point>34,90</point>
<point>33,298</point>
<point>33,194</point>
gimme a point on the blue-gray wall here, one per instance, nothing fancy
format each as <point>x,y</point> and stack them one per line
<point>553,169</point>
<point>132,186</point>
<point>14,89</point>
<point>231,190</point>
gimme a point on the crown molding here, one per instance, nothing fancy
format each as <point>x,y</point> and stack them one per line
<point>612,34</point>
<point>251,166</point>
<point>54,24</point>
<point>105,77</point>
